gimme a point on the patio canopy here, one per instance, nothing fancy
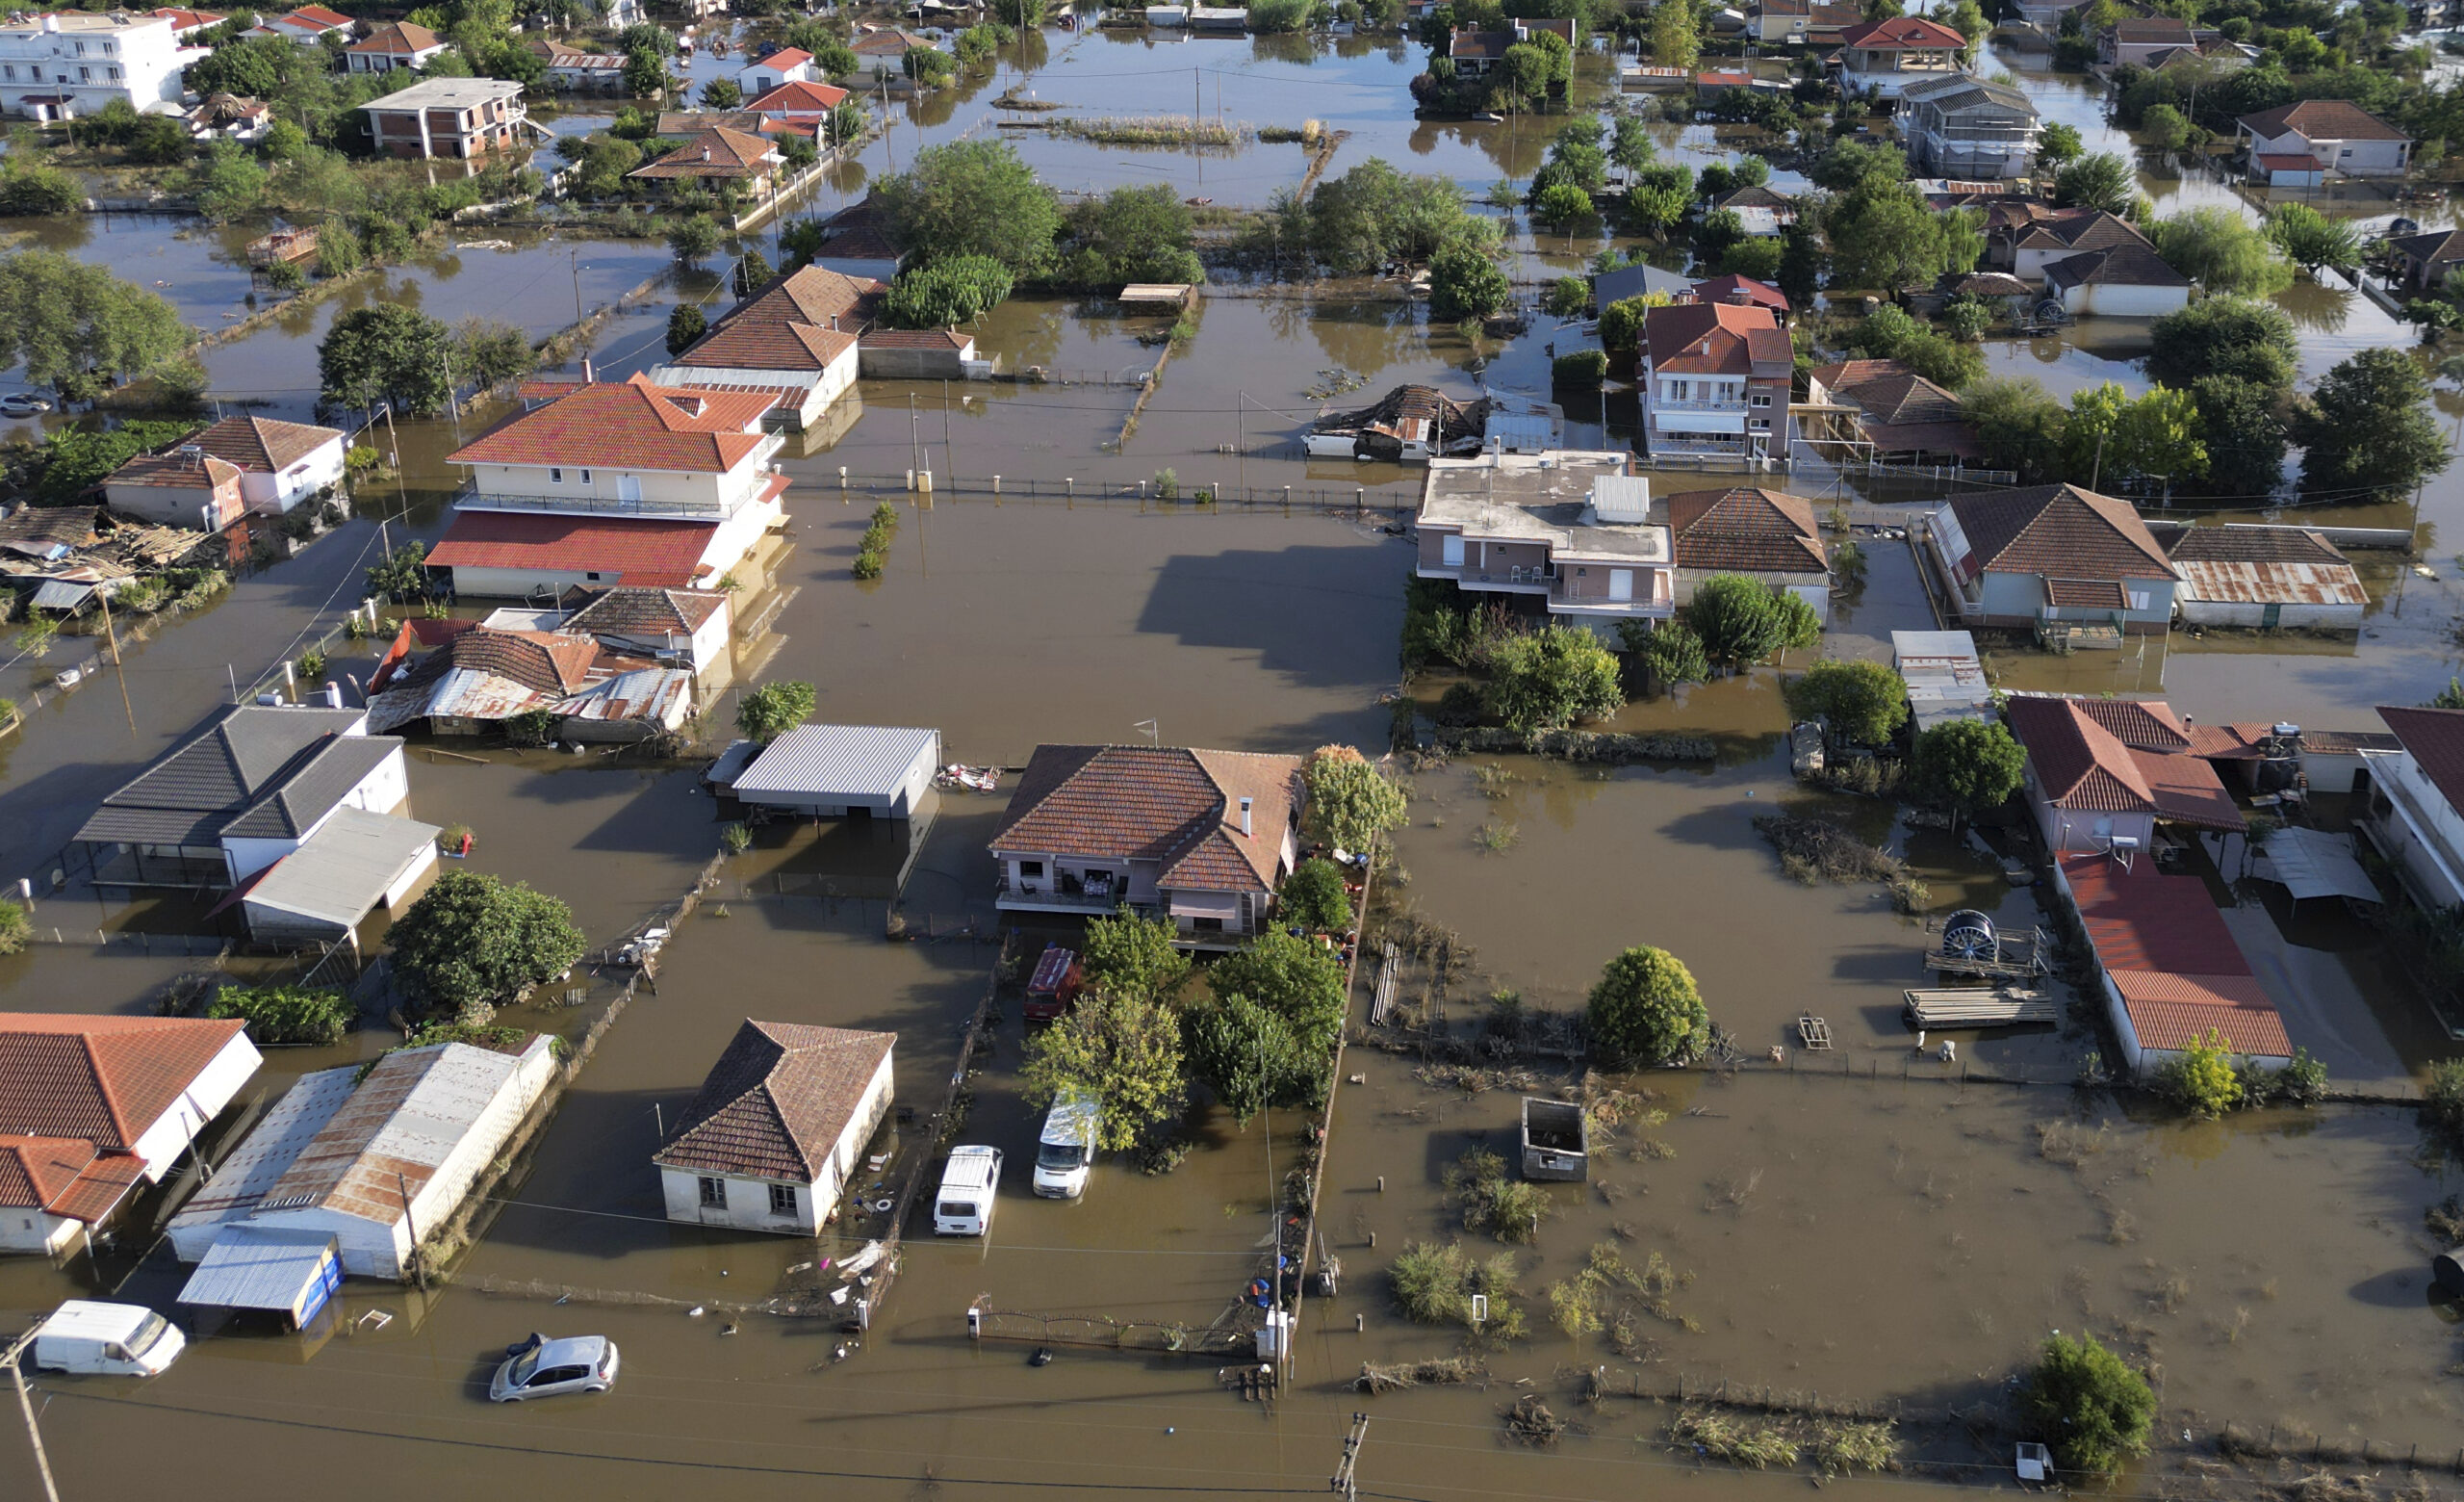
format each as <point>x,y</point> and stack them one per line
<point>2312,863</point>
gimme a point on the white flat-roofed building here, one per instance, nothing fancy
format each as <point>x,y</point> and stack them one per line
<point>69,65</point>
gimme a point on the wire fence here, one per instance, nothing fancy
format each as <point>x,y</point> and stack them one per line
<point>1105,1334</point>
<point>1196,495</point>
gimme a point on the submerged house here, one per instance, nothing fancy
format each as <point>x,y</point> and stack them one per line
<point>1887,414</point>
<point>1763,535</point>
<point>2103,773</point>
<point>2169,968</point>
<point>779,1130</point>
<point>1571,531</point>
<point>1410,424</point>
<point>2409,803</point>
<point>1201,838</point>
<point>2267,577</point>
<point>482,677</point>
<point>2072,564</point>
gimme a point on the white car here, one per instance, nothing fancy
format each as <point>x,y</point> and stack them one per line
<point>543,1368</point>
<point>21,403</point>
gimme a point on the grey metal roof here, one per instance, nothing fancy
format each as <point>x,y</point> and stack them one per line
<point>260,771</point>
<point>860,761</point>
<point>343,869</point>
<point>258,1267</point>
<point>1632,281</point>
<point>249,1172</point>
<point>2313,863</point>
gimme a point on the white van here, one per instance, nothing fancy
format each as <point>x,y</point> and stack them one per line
<point>109,1339</point>
<point>1066,1151</point>
<point>964,1205</point>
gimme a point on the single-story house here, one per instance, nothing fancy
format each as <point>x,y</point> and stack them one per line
<point>2120,281</point>
<point>1409,425</point>
<point>365,1163</point>
<point>685,628</point>
<point>915,353</point>
<point>482,677</point>
<point>93,1107</point>
<point>186,487</point>
<point>2424,261</point>
<point>1746,530</point>
<point>786,66</point>
<point>2168,965</point>
<point>230,116</point>
<point>231,802</point>
<point>324,891</point>
<point>280,464</point>
<point>1203,838</point>
<point>797,335</point>
<point>1895,415</point>
<point>717,155</point>
<point>2339,134</point>
<point>856,242</point>
<point>2264,576</point>
<point>305,26</point>
<point>578,68</point>
<point>2288,169</point>
<point>2063,561</point>
<point>779,1128</point>
<point>394,46</point>
<point>839,771</point>
<point>2103,773</point>
<point>1764,211</point>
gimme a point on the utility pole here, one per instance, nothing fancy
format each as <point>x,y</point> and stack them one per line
<point>949,452</point>
<point>14,1358</point>
<point>1343,1480</point>
<point>2098,472</point>
<point>577,260</point>
<point>915,442</point>
<point>111,635</point>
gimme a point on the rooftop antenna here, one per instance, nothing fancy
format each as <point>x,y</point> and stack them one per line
<point>1154,733</point>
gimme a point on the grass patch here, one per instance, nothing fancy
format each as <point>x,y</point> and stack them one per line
<point>1394,1376</point>
<point>1723,1437</point>
<point>1153,130</point>
<point>1509,1209</point>
<point>1495,837</point>
<point>1433,1285</point>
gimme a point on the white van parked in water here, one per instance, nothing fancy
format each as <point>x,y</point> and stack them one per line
<point>964,1205</point>
<point>107,1339</point>
<point>1067,1153</point>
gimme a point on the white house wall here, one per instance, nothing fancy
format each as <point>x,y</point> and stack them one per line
<point>2243,612</point>
<point>213,1089</point>
<point>748,1198</point>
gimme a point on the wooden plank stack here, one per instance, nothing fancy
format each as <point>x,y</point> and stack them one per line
<point>2002,1006</point>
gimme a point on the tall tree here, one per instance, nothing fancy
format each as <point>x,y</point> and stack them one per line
<point>1861,703</point>
<point>2217,248</point>
<point>1350,803</point>
<point>2367,430</point>
<point>2101,181</point>
<point>974,197</point>
<point>2240,337</point>
<point>1969,767</point>
<point>385,352</point>
<point>79,329</point>
<point>1121,1047</point>
<point>473,942</point>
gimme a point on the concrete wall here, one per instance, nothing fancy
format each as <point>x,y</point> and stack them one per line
<point>2353,158</point>
<point>2114,302</point>
<point>281,492</point>
<point>945,362</point>
<point>23,1229</point>
<point>179,505</point>
<point>579,483</point>
<point>2238,612</point>
<point>2418,827</point>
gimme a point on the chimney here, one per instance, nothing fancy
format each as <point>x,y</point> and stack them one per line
<point>1244,816</point>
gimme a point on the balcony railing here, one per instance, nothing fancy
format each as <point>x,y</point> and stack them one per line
<point>472,497</point>
<point>1044,894</point>
<point>1672,404</point>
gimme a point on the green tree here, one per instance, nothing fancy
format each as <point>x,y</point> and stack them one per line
<point>1552,677</point>
<point>1861,703</point>
<point>1758,259</point>
<point>2310,239</point>
<point>488,352</point>
<point>1801,267</point>
<point>1738,619</point>
<point>473,942</point>
<point>2110,434</point>
<point>1130,235</point>
<point>1672,651</point>
<point>1969,767</point>
<point>33,188</point>
<point>930,66</point>
<point>694,237</point>
<point>1121,1048</point>
<point>1130,955</point>
<point>1248,1056</point>
<point>285,1015</point>
<point>2094,1411</point>
<point>2019,426</point>
<point>1847,164</point>
<point>1621,322</point>
<point>684,326</point>
<point>722,93</point>
<point>1884,234</point>
<point>1464,284</point>
<point>73,460</point>
<point>1349,803</point>
<point>1891,333</point>
<point>1561,206</point>
<point>2244,432</point>
<point>774,708</point>
<point>2240,337</point>
<point>959,289</point>
<point>2101,181</point>
<point>79,329</point>
<point>1676,37</point>
<point>1372,216</point>
<point>1646,1010</point>
<point>2367,428</point>
<point>2200,1080</point>
<point>752,273</point>
<point>2222,253</point>
<point>1023,16</point>
<point>1629,144</point>
<point>2058,143</point>
<point>645,75</point>
<point>2169,129</point>
<point>399,575</point>
<point>1314,897</point>
<point>1298,980</point>
<point>385,352</point>
<point>1568,296</point>
<point>973,198</point>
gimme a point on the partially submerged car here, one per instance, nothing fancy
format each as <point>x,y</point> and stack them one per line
<point>543,1368</point>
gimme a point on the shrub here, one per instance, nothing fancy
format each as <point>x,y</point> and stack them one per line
<point>774,708</point>
<point>1506,1208</point>
<point>2201,1081</point>
<point>2092,1409</point>
<point>1552,677</point>
<point>1434,1284</point>
<point>734,839</point>
<point>17,929</point>
<point>1582,368</point>
<point>285,1013</point>
<point>1316,900</point>
<point>2442,1098</point>
<point>1646,1009</point>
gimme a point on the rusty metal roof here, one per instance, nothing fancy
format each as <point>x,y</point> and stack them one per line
<point>2224,582</point>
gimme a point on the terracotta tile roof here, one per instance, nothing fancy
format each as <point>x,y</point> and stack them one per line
<point>2144,921</point>
<point>782,60</point>
<point>1483,45</point>
<point>887,42</point>
<point>648,612</point>
<point>631,425</point>
<point>2322,120</point>
<point>2287,162</point>
<point>754,344</point>
<point>1856,373</point>
<point>2078,763</point>
<point>1759,195</point>
<point>1179,809</point>
<point>1904,32</point>
<point>2253,545</point>
<point>1734,288</point>
<point>777,1101</point>
<point>659,553</point>
<point>716,152</point>
<point>102,1080</point>
<point>47,525</point>
<point>2091,229</point>
<point>188,20</point>
<point>862,242</point>
<point>316,15</point>
<point>1711,338</point>
<point>2164,29</point>
<point>1894,393</point>
<point>799,97</point>
<point>2143,724</point>
<point>2086,594</point>
<point>177,470</point>
<point>812,295</point>
<point>2240,741</point>
<point>917,339</point>
<point>2119,266</point>
<point>1746,530</point>
<point>2058,532</point>
<point>261,444</point>
<point>66,1177</point>
<point>398,39</point>
<point>543,661</point>
<point>2435,740</point>
<point>2186,790</point>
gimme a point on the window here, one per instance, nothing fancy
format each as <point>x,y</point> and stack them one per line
<point>1761,400</point>
<point>77,49</point>
<point>782,1199</point>
<point>585,476</point>
<point>1764,423</point>
<point>2138,599</point>
<point>85,75</point>
<point>1029,870</point>
<point>555,476</point>
<point>1453,554</point>
<point>1206,925</point>
<point>112,72</point>
<point>714,1194</point>
<point>9,72</point>
<point>109,48</point>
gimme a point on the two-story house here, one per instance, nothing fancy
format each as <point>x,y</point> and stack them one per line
<point>1763,535</point>
<point>449,117</point>
<point>306,27</point>
<point>1968,128</point>
<point>2103,773</point>
<point>394,46</point>
<point>1884,58</point>
<point>68,65</point>
<point>1476,52</point>
<point>786,66</point>
<point>2062,560</point>
<point>2339,136</point>
<point>1203,838</point>
<point>280,464</point>
<point>2410,803</point>
<point>2135,40</point>
<point>1569,531</point>
<point>616,483</point>
<point>1714,380</point>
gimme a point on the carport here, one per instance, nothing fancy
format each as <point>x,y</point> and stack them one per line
<point>832,771</point>
<point>288,1270</point>
<point>2312,863</point>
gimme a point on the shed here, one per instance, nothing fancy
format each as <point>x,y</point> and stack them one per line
<point>2267,577</point>
<point>353,862</point>
<point>1945,677</point>
<point>1170,295</point>
<point>249,1170</point>
<point>2288,169</point>
<point>293,1273</point>
<point>836,772</point>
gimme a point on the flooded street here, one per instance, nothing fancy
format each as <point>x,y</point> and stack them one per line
<point>1860,1225</point>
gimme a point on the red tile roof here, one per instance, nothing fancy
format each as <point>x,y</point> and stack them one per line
<point>261,444</point>
<point>648,612</point>
<point>316,15</point>
<point>104,1079</point>
<point>2322,120</point>
<point>660,554</point>
<point>398,39</point>
<point>2287,162</point>
<point>2435,740</point>
<point>1746,530</point>
<point>918,339</point>
<point>799,97</point>
<point>716,152</point>
<point>2143,919</point>
<point>2058,532</point>
<point>782,60</point>
<point>2078,761</point>
<point>177,470</point>
<point>1177,808</point>
<point>1712,339</point>
<point>755,344</point>
<point>2086,594</point>
<point>2143,724</point>
<point>66,1177</point>
<point>1734,288</point>
<point>632,424</point>
<point>777,1101</point>
<point>1902,32</point>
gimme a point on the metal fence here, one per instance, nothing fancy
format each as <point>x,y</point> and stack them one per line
<point>1105,1334</point>
<point>1194,495</point>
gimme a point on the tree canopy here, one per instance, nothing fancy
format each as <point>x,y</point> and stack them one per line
<point>1374,215</point>
<point>2094,1411</point>
<point>1464,284</point>
<point>1129,235</point>
<point>385,352</point>
<point>1552,677</point>
<point>79,329</point>
<point>1646,1009</point>
<point>1300,980</point>
<point>2241,337</point>
<point>2099,181</point>
<point>1349,802</point>
<point>1863,703</point>
<point>1966,765</point>
<point>1119,1047</point>
<point>1133,954</point>
<point>957,289</point>
<point>2217,248</point>
<point>774,708</point>
<point>2366,428</point>
<point>974,197</point>
<point>1741,620</point>
<point>471,943</point>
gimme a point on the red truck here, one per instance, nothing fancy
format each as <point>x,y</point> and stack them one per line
<point>1054,985</point>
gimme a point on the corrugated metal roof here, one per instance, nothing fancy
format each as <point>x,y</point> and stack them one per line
<point>259,1267</point>
<point>2226,581</point>
<point>826,761</point>
<point>242,1181</point>
<point>656,695</point>
<point>2313,863</point>
<point>344,868</point>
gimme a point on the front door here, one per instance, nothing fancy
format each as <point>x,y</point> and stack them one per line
<point>629,487</point>
<point>2272,617</point>
<point>1621,584</point>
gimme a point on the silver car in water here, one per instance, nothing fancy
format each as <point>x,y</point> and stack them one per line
<point>544,1368</point>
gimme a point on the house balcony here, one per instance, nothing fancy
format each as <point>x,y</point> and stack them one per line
<point>1099,900</point>
<point>475,497</point>
<point>1671,404</point>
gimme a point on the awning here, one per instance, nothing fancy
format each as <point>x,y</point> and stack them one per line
<point>282,1268</point>
<point>61,594</point>
<point>2312,863</point>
